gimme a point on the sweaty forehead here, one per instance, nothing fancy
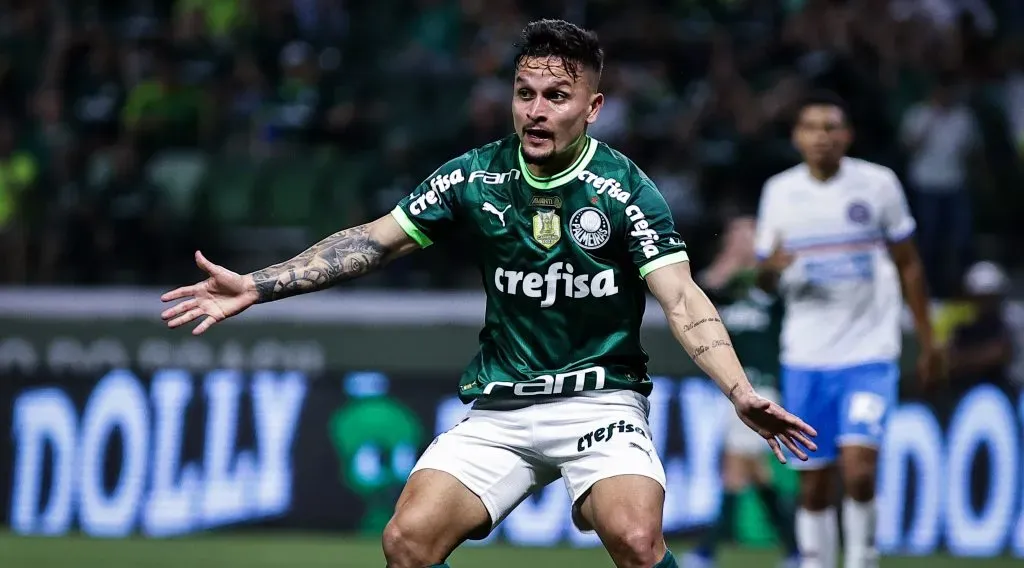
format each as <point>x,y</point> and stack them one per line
<point>546,71</point>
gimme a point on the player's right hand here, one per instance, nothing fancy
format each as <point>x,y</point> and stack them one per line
<point>215,299</point>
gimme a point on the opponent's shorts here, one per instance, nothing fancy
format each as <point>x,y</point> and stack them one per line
<point>847,406</point>
<point>505,455</point>
<point>740,439</point>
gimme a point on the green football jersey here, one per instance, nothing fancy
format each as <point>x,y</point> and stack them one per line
<point>754,320</point>
<point>563,260</point>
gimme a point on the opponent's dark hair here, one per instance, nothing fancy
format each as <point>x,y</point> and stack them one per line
<point>577,48</point>
<point>822,98</point>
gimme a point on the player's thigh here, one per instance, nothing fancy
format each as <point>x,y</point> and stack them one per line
<point>626,512</point>
<point>813,396</point>
<point>438,510</point>
<point>487,455</point>
<point>870,393</point>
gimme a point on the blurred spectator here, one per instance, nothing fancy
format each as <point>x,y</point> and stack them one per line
<point>699,94</point>
<point>19,173</point>
<point>982,350</point>
<point>163,111</point>
<point>942,138</point>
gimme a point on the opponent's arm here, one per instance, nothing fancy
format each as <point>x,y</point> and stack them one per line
<point>915,294</point>
<point>695,323</point>
<point>345,255</point>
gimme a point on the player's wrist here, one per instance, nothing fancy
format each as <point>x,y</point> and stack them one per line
<point>738,390</point>
<point>251,291</point>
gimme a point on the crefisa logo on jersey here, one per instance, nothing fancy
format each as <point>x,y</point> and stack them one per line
<point>590,228</point>
<point>858,212</point>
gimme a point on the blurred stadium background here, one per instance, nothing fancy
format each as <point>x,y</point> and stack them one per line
<point>134,131</point>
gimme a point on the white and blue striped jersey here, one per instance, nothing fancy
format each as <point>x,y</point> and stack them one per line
<point>842,293</point>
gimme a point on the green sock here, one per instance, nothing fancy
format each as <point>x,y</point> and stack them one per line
<point>781,517</point>
<point>668,561</point>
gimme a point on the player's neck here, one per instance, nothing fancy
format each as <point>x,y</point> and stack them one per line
<point>561,162</point>
<point>824,172</point>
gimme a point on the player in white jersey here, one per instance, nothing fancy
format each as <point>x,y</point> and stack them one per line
<point>834,238</point>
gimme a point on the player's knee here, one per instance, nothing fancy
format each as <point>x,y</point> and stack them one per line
<point>859,482</point>
<point>637,546</point>
<point>407,545</point>
<point>815,491</point>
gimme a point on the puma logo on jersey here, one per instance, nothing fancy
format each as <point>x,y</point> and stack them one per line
<point>560,279</point>
<point>643,231</point>
<point>494,211</point>
<point>604,434</point>
<point>611,186</point>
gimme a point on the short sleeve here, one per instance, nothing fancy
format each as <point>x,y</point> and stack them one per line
<point>651,235</point>
<point>897,222</point>
<point>768,222</point>
<point>431,210</point>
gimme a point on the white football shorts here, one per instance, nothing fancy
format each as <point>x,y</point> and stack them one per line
<point>505,455</point>
<point>741,440</point>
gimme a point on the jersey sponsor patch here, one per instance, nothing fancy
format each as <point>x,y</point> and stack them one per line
<point>848,267</point>
<point>603,185</point>
<point>591,378</point>
<point>559,280</point>
<point>438,185</point>
<point>606,433</point>
<point>590,228</point>
<point>643,231</point>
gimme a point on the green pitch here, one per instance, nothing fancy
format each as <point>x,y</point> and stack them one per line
<point>277,550</point>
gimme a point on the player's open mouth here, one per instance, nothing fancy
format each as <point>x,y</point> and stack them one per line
<point>537,135</point>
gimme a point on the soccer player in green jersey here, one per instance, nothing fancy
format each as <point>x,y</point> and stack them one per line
<point>753,319</point>
<point>569,232</point>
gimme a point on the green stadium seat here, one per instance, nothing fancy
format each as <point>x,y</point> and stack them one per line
<point>178,175</point>
<point>230,190</point>
<point>292,191</point>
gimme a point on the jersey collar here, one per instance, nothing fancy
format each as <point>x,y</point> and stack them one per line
<point>563,178</point>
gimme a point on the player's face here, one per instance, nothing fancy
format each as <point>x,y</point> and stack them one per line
<point>821,135</point>
<point>550,108</point>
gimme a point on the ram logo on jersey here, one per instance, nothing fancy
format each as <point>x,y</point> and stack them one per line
<point>603,185</point>
<point>643,231</point>
<point>559,280</point>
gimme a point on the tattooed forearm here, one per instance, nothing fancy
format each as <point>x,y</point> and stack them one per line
<point>342,256</point>
<point>702,349</point>
<point>700,322</point>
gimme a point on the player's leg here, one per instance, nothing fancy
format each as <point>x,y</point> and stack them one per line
<point>741,445</point>
<point>434,514</point>
<point>626,512</point>
<point>466,482</point>
<point>871,391</point>
<point>813,397</point>
<point>613,475</point>
<point>781,515</point>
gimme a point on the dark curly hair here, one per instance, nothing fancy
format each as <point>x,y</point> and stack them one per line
<point>822,97</point>
<point>577,48</point>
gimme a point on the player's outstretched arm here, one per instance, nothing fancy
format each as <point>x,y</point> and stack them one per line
<point>345,255</point>
<point>698,328</point>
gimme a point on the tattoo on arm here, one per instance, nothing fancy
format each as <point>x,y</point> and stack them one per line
<point>701,350</point>
<point>342,256</point>
<point>690,326</point>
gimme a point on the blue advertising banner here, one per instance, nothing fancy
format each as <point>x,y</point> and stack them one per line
<point>171,452</point>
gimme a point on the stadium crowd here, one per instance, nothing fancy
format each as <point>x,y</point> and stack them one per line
<point>134,130</point>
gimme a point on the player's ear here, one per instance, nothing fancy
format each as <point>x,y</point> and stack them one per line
<point>596,102</point>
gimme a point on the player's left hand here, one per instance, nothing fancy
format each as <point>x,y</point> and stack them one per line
<point>774,424</point>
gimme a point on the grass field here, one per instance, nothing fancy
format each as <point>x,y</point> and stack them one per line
<point>325,551</point>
